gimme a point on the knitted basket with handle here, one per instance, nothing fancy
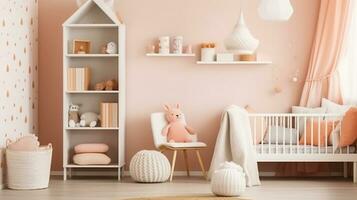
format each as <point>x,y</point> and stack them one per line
<point>149,167</point>
<point>228,180</point>
<point>29,169</point>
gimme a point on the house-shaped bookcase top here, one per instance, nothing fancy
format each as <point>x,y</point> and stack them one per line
<point>93,12</point>
<point>86,62</point>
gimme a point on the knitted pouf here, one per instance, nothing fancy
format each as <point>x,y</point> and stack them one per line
<point>149,167</point>
<point>228,180</point>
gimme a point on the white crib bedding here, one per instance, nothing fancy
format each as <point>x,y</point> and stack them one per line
<point>280,149</point>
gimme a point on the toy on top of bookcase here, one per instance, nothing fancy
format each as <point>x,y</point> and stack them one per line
<point>81,46</point>
<point>107,85</point>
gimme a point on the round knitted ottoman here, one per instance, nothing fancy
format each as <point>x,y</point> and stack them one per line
<point>149,167</point>
<point>228,180</point>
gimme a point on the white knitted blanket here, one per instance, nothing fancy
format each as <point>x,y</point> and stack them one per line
<point>234,143</point>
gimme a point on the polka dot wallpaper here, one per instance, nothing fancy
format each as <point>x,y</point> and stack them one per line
<point>18,68</point>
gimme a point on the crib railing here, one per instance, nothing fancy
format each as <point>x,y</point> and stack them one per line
<point>296,133</point>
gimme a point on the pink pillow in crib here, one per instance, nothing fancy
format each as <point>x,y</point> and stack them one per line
<point>260,127</point>
<point>349,128</point>
<point>91,148</point>
<point>312,132</point>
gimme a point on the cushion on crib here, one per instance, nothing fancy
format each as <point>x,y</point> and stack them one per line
<point>305,110</point>
<point>258,126</point>
<point>91,159</point>
<point>334,108</point>
<point>312,132</point>
<point>349,128</point>
<point>277,135</point>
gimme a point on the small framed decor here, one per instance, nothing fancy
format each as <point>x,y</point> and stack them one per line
<point>81,46</point>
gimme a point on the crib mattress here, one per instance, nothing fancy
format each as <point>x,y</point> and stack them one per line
<point>279,149</point>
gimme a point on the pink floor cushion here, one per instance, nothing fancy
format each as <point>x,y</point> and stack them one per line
<point>91,148</point>
<point>91,159</point>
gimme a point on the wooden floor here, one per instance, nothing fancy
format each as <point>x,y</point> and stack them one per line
<point>93,189</point>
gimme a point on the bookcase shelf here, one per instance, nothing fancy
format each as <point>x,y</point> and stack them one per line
<point>92,55</point>
<point>94,92</point>
<point>92,128</point>
<point>99,26</point>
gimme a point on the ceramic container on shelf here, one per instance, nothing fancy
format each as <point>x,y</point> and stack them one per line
<point>208,54</point>
<point>177,44</point>
<point>188,49</point>
<point>164,45</point>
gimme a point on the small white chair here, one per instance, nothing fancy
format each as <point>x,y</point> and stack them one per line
<point>158,122</point>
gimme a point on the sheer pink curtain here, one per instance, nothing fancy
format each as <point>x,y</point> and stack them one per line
<point>323,79</point>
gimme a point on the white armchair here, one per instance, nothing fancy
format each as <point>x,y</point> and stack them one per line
<point>158,122</point>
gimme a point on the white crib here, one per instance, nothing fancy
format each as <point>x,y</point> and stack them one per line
<point>282,144</point>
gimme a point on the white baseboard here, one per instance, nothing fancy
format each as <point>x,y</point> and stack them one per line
<point>181,173</point>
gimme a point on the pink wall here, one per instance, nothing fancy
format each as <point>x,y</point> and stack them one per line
<point>204,91</point>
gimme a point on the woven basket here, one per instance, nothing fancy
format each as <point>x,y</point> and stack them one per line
<point>228,180</point>
<point>29,169</point>
<point>149,167</point>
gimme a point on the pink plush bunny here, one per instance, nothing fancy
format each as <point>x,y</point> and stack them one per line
<point>177,129</point>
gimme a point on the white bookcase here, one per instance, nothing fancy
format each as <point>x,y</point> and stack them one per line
<point>96,22</point>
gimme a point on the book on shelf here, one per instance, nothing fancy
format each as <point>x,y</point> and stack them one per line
<point>78,78</point>
<point>109,114</point>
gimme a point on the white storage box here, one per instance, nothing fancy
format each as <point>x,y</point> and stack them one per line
<point>225,57</point>
<point>29,169</point>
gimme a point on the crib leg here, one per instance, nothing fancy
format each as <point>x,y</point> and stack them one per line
<point>355,172</point>
<point>345,170</point>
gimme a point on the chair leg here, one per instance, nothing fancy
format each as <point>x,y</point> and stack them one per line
<point>355,172</point>
<point>345,170</point>
<point>173,164</point>
<point>186,162</point>
<point>201,163</point>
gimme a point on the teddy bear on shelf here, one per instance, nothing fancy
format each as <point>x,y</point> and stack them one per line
<point>73,116</point>
<point>107,85</point>
<point>89,119</point>
<point>177,129</point>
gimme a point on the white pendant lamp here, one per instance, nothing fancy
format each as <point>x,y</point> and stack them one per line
<point>275,10</point>
<point>241,40</point>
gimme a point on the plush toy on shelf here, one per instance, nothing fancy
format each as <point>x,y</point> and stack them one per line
<point>73,116</point>
<point>107,85</point>
<point>89,119</point>
<point>177,129</point>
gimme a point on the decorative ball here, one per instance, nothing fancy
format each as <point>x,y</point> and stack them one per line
<point>111,48</point>
<point>149,167</point>
<point>295,79</point>
<point>228,180</point>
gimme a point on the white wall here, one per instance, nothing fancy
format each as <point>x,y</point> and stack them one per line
<point>18,70</point>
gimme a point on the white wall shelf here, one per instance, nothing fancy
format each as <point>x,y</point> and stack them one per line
<point>94,22</point>
<point>170,55</point>
<point>92,55</point>
<point>236,63</point>
<point>94,92</point>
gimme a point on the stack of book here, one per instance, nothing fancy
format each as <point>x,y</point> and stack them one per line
<point>78,78</point>
<point>109,114</point>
